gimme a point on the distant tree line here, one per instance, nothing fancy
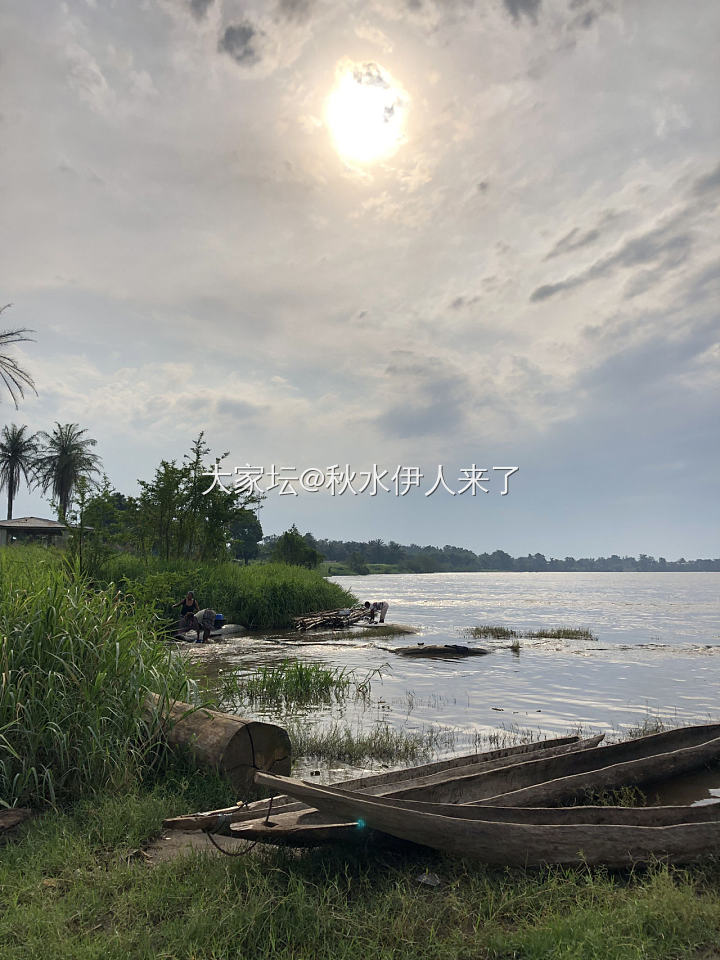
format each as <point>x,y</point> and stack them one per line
<point>414,558</point>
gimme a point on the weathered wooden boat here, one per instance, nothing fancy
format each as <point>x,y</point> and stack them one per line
<point>310,827</point>
<point>534,781</point>
<point>390,781</point>
<point>451,650</point>
<point>464,831</point>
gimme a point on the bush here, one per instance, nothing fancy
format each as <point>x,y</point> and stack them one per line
<point>76,665</point>
<point>261,596</point>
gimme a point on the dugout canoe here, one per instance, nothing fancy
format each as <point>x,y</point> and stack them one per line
<point>539,782</point>
<point>386,783</point>
<point>510,843</point>
<point>310,827</point>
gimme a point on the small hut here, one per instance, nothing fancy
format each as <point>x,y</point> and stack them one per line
<point>32,530</point>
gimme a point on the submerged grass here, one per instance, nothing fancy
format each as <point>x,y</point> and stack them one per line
<point>382,743</point>
<point>547,633</point>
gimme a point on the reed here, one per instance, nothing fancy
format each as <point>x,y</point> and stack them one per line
<point>381,744</point>
<point>76,665</point>
<point>288,682</point>
<point>262,596</point>
<point>490,630</point>
<point>562,633</point>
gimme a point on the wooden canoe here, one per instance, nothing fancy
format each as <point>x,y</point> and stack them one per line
<point>386,783</point>
<point>310,827</point>
<point>538,782</point>
<point>508,842</point>
<point>550,781</point>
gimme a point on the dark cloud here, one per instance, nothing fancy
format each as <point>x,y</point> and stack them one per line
<point>459,302</point>
<point>239,42</point>
<point>200,7</point>
<point>297,10</point>
<point>519,8</point>
<point>663,246</point>
<point>708,183</point>
<point>573,241</point>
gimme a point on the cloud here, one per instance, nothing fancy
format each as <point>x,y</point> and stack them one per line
<point>574,240</point>
<point>200,8</point>
<point>297,10</point>
<point>708,183</point>
<point>519,8</point>
<point>239,41</point>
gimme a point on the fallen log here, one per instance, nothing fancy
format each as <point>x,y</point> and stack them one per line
<point>224,742</point>
<point>12,817</point>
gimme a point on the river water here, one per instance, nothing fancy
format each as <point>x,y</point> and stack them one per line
<point>656,656</point>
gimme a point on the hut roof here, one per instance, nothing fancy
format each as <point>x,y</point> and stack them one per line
<point>33,524</point>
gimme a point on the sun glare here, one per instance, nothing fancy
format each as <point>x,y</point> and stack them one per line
<point>365,113</point>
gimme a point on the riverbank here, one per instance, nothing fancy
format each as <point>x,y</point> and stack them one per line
<point>77,885</point>
<point>77,880</point>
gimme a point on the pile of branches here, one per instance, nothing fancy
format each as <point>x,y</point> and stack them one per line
<point>330,619</point>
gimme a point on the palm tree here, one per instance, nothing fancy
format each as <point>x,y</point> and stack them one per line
<point>12,375</point>
<point>17,459</point>
<point>63,458</point>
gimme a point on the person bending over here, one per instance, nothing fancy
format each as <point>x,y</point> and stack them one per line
<point>380,607</point>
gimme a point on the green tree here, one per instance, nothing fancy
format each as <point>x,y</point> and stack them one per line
<point>64,457</point>
<point>12,375</point>
<point>245,535</point>
<point>292,548</point>
<point>18,449</point>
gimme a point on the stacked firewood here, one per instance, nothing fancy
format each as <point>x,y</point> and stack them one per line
<point>330,619</point>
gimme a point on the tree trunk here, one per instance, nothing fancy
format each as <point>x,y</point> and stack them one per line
<point>224,742</point>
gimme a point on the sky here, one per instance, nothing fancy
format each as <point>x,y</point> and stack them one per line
<point>499,250</point>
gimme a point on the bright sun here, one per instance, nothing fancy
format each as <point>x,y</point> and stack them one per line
<point>366,112</point>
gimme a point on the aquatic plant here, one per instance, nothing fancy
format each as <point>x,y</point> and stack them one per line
<point>381,743</point>
<point>562,633</point>
<point>490,630</point>
<point>545,633</point>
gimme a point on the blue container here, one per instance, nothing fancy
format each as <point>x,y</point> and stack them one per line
<point>219,619</point>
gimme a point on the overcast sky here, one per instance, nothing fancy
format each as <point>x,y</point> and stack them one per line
<point>529,278</point>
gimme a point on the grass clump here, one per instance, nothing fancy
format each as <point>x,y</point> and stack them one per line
<point>262,596</point>
<point>562,633</point>
<point>76,665</point>
<point>490,630</point>
<point>546,633</point>
<point>382,743</point>
<point>288,682</point>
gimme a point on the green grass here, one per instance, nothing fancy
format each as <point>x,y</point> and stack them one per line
<point>549,633</point>
<point>76,665</point>
<point>290,682</point>
<point>562,633</point>
<point>489,630</point>
<point>74,886</point>
<point>259,596</point>
<point>340,741</point>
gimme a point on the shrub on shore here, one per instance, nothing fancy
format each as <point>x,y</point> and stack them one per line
<point>76,664</point>
<point>262,596</point>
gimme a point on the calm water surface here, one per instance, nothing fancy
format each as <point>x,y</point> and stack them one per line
<point>657,653</point>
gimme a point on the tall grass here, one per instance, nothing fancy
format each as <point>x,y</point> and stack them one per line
<point>76,664</point>
<point>261,596</point>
